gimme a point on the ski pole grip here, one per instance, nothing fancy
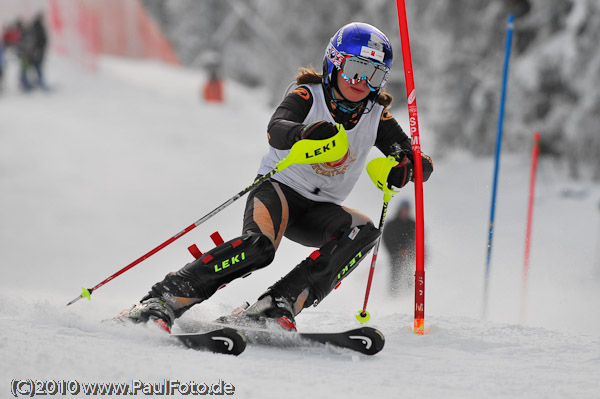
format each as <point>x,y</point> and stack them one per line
<point>309,151</point>
<point>379,170</point>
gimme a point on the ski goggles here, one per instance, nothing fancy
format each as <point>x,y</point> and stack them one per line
<point>355,68</point>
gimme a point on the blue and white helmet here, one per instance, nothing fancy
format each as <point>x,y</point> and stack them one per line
<point>363,41</point>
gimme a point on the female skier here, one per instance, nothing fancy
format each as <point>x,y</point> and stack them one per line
<point>303,202</point>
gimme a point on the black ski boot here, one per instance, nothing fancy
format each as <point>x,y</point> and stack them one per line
<point>323,271</point>
<point>268,312</point>
<point>150,309</point>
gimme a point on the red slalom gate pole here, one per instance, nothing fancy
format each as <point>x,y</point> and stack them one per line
<point>419,323</point>
<point>534,158</point>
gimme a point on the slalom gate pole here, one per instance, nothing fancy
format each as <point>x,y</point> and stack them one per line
<point>534,159</point>
<point>509,32</point>
<point>302,152</point>
<point>419,322</point>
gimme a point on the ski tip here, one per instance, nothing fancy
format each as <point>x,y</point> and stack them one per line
<point>369,341</point>
<point>365,340</point>
<point>225,340</point>
<point>232,341</point>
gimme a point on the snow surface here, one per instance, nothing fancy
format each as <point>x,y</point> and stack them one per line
<point>110,164</point>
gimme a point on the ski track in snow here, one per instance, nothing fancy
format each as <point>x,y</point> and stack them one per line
<point>112,163</point>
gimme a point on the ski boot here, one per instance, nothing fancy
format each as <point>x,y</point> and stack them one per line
<point>150,309</point>
<point>268,312</point>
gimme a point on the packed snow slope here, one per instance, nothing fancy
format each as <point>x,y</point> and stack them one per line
<point>111,163</point>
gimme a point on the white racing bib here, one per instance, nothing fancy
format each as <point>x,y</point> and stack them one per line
<point>331,181</point>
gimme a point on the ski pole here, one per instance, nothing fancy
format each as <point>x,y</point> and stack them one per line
<point>378,169</point>
<point>302,152</point>
<point>413,117</point>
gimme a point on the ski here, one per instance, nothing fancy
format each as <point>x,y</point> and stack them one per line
<point>224,340</point>
<point>365,340</point>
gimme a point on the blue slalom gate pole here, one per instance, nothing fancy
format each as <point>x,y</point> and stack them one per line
<point>509,31</point>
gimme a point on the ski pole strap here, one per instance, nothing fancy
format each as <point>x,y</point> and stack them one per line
<point>309,151</point>
<point>379,170</point>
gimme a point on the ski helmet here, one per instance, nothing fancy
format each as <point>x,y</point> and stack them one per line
<point>365,52</point>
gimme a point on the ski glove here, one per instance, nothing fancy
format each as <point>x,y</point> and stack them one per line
<point>402,173</point>
<point>427,165</point>
<point>319,130</point>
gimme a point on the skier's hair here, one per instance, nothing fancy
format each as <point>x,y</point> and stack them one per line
<point>308,75</point>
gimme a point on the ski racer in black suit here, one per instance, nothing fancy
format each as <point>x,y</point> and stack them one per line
<point>304,202</point>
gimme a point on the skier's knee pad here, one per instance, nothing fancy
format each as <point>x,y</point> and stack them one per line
<point>315,277</point>
<point>228,261</point>
<point>201,278</point>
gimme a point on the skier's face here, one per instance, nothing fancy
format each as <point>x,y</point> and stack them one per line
<point>353,92</point>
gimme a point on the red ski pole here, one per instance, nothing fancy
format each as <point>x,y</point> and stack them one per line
<point>379,170</point>
<point>87,292</point>
<point>363,316</point>
<point>303,152</point>
<point>419,323</point>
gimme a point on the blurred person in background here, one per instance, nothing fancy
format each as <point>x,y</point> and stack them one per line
<point>399,240</point>
<point>213,87</point>
<point>40,43</point>
<point>11,36</point>
<point>32,51</point>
